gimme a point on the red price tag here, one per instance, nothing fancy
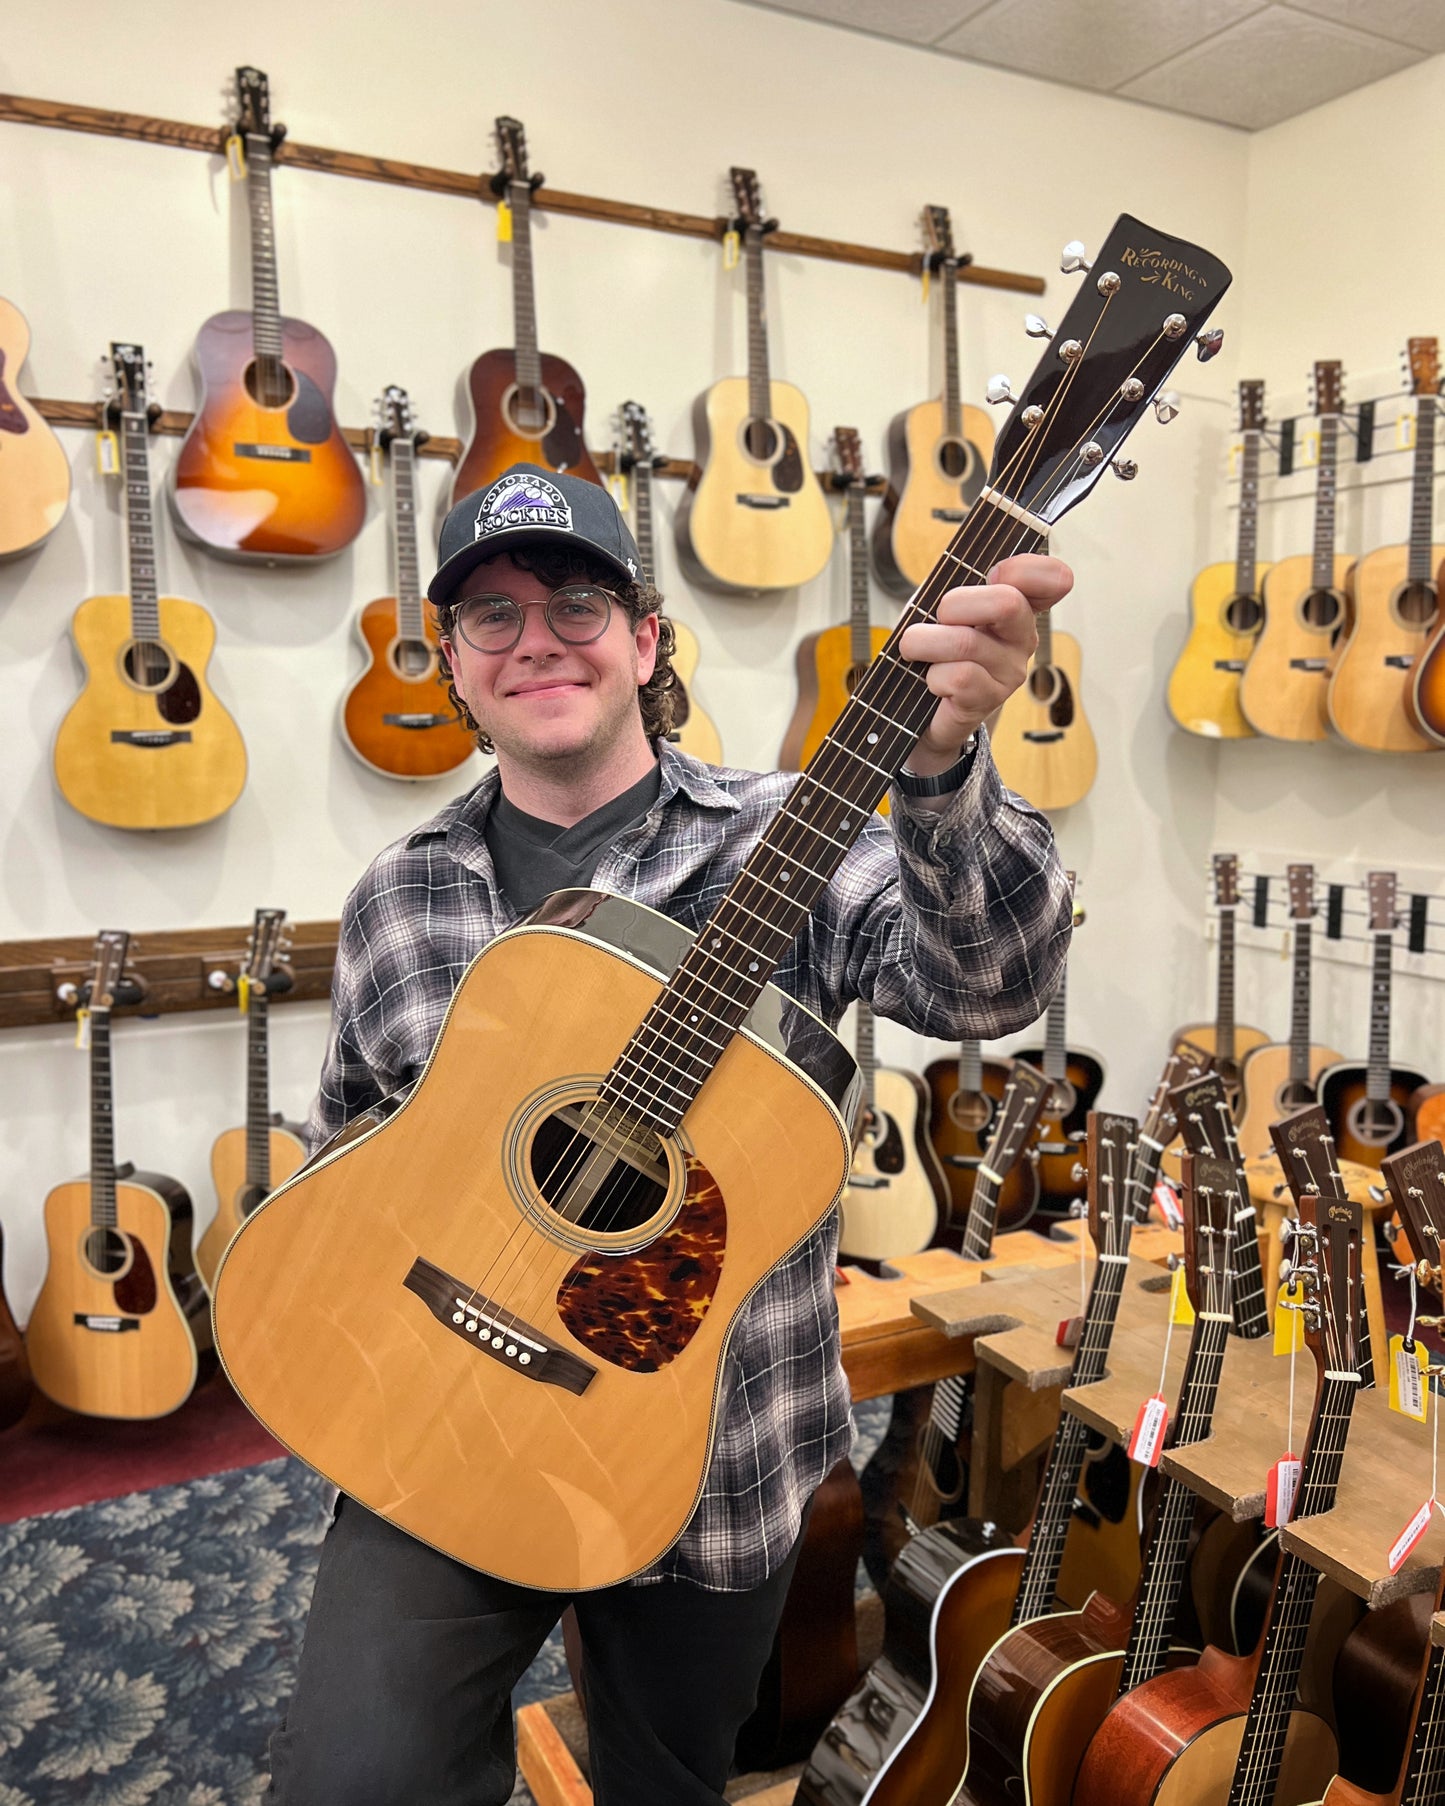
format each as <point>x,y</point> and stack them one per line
<point>1147,1440</point>
<point>1166,1202</point>
<point>1409,1536</point>
<point>1280,1490</point>
<point>1068,1332</point>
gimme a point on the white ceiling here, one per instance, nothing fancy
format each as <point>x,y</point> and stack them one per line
<point>1240,62</point>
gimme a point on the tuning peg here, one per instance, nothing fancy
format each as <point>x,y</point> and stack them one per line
<point>68,993</point>
<point>1207,344</point>
<point>1166,407</point>
<point>999,390</point>
<point>1037,328</point>
<point>219,980</point>
<point>1124,468</point>
<point>1072,260</point>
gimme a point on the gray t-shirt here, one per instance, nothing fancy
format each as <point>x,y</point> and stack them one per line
<point>533,857</point>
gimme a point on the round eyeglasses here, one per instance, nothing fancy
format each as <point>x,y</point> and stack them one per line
<point>577,613</point>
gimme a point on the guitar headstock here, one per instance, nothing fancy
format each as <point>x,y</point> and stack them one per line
<point>1144,298</point>
<point>1207,1200</point>
<point>267,946</point>
<point>128,378</point>
<point>107,965</point>
<point>1251,406</point>
<point>1423,358</point>
<point>1416,1178</point>
<point>1109,1144</point>
<point>748,201</point>
<point>938,238</point>
<point>1325,1247</point>
<point>1020,1108</point>
<point>1226,880</point>
<point>253,103</point>
<point>1205,1119</point>
<point>635,444</point>
<point>847,452</point>
<point>1380,889</point>
<point>1328,388</point>
<point>512,150</point>
<point>394,416</point>
<point>1186,1063</point>
<point>1301,892</point>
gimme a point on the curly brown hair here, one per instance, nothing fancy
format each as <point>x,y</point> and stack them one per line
<point>554,566</point>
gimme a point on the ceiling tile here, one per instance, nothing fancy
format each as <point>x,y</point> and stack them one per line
<point>1090,43</point>
<point>1267,68</point>
<point>1420,23</point>
<point>914,21</point>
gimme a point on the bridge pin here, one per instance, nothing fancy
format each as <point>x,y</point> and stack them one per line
<point>496,1341</point>
<point>523,1360</point>
<point>511,1348</point>
<point>457,1316</point>
<point>471,1326</point>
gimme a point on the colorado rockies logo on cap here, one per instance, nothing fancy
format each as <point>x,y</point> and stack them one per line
<point>521,501</point>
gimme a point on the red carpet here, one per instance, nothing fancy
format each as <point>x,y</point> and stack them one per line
<point>52,1459</point>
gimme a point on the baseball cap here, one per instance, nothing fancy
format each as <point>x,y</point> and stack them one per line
<point>527,505</point>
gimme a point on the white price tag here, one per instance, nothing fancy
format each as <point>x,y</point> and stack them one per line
<point>1409,1536</point>
<point>1281,1490</point>
<point>1149,1426</point>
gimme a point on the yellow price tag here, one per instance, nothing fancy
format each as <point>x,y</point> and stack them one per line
<point>1407,1382</point>
<point>107,453</point>
<point>1289,1323</point>
<point>1310,449</point>
<point>618,481</point>
<point>236,156</point>
<point>504,222</point>
<point>376,469</point>
<point>1405,432</point>
<point>243,993</point>
<point>82,1029</point>
<point>1236,451</point>
<point>1181,1311</point>
<point>927,283</point>
<point>732,250</point>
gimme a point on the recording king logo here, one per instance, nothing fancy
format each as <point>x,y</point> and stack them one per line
<point>522,502</point>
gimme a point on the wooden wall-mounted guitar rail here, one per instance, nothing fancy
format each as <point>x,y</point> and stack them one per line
<point>175,966</point>
<point>23,110</point>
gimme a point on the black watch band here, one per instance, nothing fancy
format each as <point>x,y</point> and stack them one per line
<point>942,782</point>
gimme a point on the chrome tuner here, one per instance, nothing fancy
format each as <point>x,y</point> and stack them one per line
<point>1073,260</point>
<point>999,390</point>
<point>1079,1172</point>
<point>1131,389</point>
<point>1125,469</point>
<point>1175,326</point>
<point>1207,344</point>
<point>1091,454</point>
<point>1037,328</point>
<point>1071,351</point>
<point>1032,415</point>
<point>1166,407</point>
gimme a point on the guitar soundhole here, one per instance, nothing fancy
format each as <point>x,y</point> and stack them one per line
<point>148,665</point>
<point>1322,609</point>
<point>1044,683</point>
<point>761,440</point>
<point>1062,1099</point>
<point>970,1111</point>
<point>854,676</point>
<point>1243,614</point>
<point>531,413</point>
<point>587,1182</point>
<point>1294,1094</point>
<point>1227,1069</point>
<point>250,1198</point>
<point>269,383</point>
<point>1376,1121</point>
<point>412,659</point>
<point>1416,605</point>
<point>107,1252</point>
<point>956,458</point>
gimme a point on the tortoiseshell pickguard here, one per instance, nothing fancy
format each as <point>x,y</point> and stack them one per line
<point>639,1311</point>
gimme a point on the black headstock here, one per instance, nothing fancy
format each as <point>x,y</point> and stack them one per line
<point>394,416</point>
<point>108,958</point>
<point>128,372</point>
<point>938,238</point>
<point>267,947</point>
<point>253,103</point>
<point>512,150</point>
<point>748,202</point>
<point>635,444</point>
<point>848,456</point>
<point>1251,406</point>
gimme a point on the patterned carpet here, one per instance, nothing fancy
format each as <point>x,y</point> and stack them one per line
<point>148,1643</point>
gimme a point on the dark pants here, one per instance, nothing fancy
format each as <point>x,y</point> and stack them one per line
<point>407,1671</point>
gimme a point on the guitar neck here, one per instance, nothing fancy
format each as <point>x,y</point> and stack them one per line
<point>410,619</point>
<point>970,1066</point>
<point>1422,492</point>
<point>1425,1762</point>
<point>1299,1021</point>
<point>1377,1080</point>
<point>1224,1000</point>
<point>860,635</point>
<point>272,384</point>
<point>642,514</point>
<point>952,404</point>
<point>759,389</point>
<point>1246,557</point>
<point>1324,566</point>
<point>145,621</point>
<point>102,1123</point>
<point>258,1091</point>
<point>867,1056</point>
<point>1056,1038</point>
<point>524,298</point>
<point>725,970</point>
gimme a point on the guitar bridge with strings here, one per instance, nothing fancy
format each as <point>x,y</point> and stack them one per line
<point>480,1323</point>
<point>149,736</point>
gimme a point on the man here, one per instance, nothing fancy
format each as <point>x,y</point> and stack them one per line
<point>952,918</point>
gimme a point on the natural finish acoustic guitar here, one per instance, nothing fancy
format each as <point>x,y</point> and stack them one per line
<point>753,516</point>
<point>397,718</point>
<point>1225,606</point>
<point>896,1194</point>
<point>1396,602</point>
<point>1042,742</point>
<point>34,470</point>
<point>1306,604</point>
<point>264,472</point>
<point>938,450</point>
<point>116,1329</point>
<point>525,1289</point>
<point>526,405</point>
<point>1225,1040</point>
<point>146,744</point>
<point>1425,688</point>
<point>246,1162</point>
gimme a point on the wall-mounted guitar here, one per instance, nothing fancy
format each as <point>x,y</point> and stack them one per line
<point>264,472</point>
<point>1224,1039</point>
<point>938,450</point>
<point>896,1195</point>
<point>1279,1077</point>
<point>396,717</point>
<point>1306,603</point>
<point>116,1327</point>
<point>1366,1104</point>
<point>1077,1076</point>
<point>146,744</point>
<point>692,728</point>
<point>753,516</point>
<point>1427,1113</point>
<point>34,470</point>
<point>830,663</point>
<point>965,1096</point>
<point>1396,603</point>
<point>1225,606</point>
<point>526,405</point>
<point>246,1162</point>
<point>540,1200</point>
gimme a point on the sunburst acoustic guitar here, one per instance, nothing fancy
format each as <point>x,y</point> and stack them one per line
<point>965,1094</point>
<point>122,1313</point>
<point>938,450</point>
<point>146,744</point>
<point>34,470</point>
<point>264,472</point>
<point>396,717</point>
<point>753,516</point>
<point>554,1261</point>
<point>1396,603</point>
<point>526,405</point>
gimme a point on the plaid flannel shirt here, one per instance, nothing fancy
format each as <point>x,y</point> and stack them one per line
<point>954,922</point>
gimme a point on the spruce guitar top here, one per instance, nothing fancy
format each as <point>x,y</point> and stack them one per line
<point>264,472</point>
<point>525,1288</point>
<point>1224,1040</point>
<point>34,470</point>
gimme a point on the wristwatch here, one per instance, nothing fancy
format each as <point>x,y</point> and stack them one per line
<point>942,782</point>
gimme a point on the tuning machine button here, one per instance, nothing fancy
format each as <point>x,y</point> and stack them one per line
<point>1037,328</point>
<point>1091,454</point>
<point>67,993</point>
<point>1124,468</point>
<point>998,391</point>
<point>1166,407</point>
<point>218,980</point>
<point>1208,344</point>
<point>1073,260</point>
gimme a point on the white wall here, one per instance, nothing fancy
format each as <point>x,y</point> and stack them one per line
<point>646,102</point>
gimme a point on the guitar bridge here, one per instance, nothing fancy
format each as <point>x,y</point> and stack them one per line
<point>1044,738</point>
<point>1229,664</point>
<point>417,721</point>
<point>762,501</point>
<point>149,736</point>
<point>495,1331</point>
<point>1309,664</point>
<point>952,515</point>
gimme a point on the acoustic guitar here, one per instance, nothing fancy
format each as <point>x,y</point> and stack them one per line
<point>16,1387</point>
<point>1041,739</point>
<point>145,744</point>
<point>562,1285</point>
<point>265,472</point>
<point>1306,604</point>
<point>1425,687</point>
<point>122,1313</point>
<point>527,406</point>
<point>830,663</point>
<point>896,1194</point>
<point>938,450</point>
<point>397,717</point>
<point>753,516</point>
<point>1279,1077</point>
<point>246,1162</point>
<point>1225,1040</point>
<point>1366,1102</point>
<point>964,1099</point>
<point>637,458</point>
<point>1206,1124</point>
<point>1226,1731</point>
<point>1226,609</point>
<point>1395,600</point>
<point>34,470</point>
<point>1427,1113</point>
